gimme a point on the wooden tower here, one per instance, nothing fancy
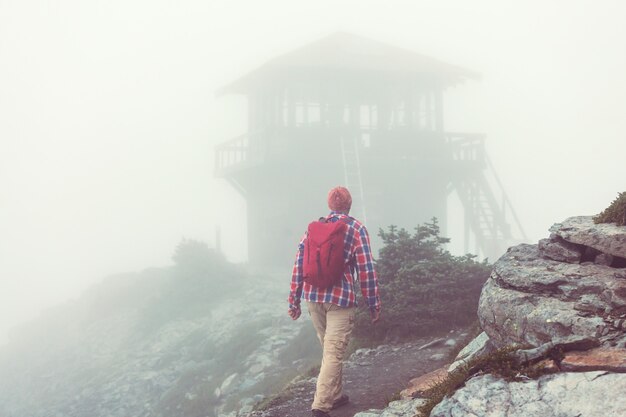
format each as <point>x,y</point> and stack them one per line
<point>351,111</point>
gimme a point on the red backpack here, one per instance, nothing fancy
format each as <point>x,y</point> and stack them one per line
<point>323,264</point>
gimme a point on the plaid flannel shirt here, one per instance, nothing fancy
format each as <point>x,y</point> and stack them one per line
<point>359,260</point>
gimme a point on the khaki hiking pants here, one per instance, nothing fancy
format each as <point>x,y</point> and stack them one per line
<point>333,325</point>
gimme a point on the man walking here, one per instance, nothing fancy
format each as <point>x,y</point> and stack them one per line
<point>332,306</point>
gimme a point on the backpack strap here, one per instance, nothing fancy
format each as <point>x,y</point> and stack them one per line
<point>346,219</point>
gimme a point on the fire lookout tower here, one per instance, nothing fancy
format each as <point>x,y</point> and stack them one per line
<point>351,111</point>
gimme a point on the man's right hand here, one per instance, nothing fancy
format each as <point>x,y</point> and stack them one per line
<point>294,312</point>
<point>375,315</point>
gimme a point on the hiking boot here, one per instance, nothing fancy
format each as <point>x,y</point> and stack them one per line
<point>343,400</point>
<point>319,413</point>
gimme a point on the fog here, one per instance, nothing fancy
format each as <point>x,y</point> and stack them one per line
<point>109,116</point>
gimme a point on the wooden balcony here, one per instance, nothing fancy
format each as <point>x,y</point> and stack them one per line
<point>464,150</point>
<point>231,153</point>
<point>467,152</point>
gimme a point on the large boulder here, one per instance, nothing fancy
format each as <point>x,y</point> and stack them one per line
<point>560,395</point>
<point>560,306</point>
<point>532,300</point>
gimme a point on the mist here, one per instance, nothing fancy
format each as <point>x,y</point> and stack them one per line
<point>109,117</point>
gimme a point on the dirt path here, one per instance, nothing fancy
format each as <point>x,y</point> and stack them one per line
<point>371,378</point>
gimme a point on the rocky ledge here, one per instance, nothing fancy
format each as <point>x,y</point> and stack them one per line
<point>558,307</point>
<point>605,238</point>
<point>564,286</point>
<point>567,294</point>
<point>588,394</point>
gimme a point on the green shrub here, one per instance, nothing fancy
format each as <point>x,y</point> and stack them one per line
<point>424,289</point>
<point>199,277</point>
<point>615,213</point>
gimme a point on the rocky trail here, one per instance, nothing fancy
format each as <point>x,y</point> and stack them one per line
<point>372,377</point>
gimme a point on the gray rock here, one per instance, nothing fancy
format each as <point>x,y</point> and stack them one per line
<point>401,408</point>
<point>605,237</point>
<point>556,395</point>
<point>364,352</point>
<point>530,300</point>
<point>558,249</point>
<point>477,347</point>
<point>369,413</point>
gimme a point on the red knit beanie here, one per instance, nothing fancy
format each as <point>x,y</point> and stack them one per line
<point>339,199</point>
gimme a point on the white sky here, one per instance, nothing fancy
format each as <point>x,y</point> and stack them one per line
<point>108,117</point>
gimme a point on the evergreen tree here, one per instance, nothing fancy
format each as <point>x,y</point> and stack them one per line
<point>424,289</point>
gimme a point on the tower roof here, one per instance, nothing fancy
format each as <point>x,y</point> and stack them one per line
<point>351,53</point>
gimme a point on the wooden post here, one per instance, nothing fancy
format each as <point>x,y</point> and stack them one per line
<point>291,109</point>
<point>430,105</point>
<point>439,109</point>
<point>466,231</point>
<point>410,106</point>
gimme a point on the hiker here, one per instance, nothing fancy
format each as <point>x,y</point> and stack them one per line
<point>326,280</point>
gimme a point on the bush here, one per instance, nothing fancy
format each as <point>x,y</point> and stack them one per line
<point>199,277</point>
<point>615,213</point>
<point>424,289</point>
<point>194,258</point>
<point>203,274</point>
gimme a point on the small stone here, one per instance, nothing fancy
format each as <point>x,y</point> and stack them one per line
<point>451,343</point>
<point>369,413</point>
<point>256,368</point>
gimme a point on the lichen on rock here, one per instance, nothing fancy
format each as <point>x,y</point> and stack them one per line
<point>589,394</point>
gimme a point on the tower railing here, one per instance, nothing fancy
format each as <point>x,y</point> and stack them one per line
<point>233,152</point>
<point>466,146</point>
<point>251,147</point>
